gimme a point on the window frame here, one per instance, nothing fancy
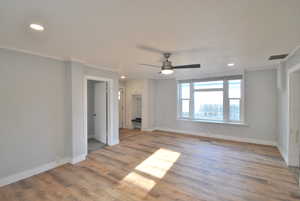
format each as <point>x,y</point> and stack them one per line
<point>179,101</point>
<point>226,99</point>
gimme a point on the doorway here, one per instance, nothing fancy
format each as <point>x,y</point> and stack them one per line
<point>136,111</point>
<point>96,114</point>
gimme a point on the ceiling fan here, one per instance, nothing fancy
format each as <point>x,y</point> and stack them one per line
<point>167,68</point>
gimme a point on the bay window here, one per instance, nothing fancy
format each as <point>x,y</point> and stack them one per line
<point>218,99</point>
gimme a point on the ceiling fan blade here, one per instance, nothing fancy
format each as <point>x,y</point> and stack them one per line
<point>149,65</point>
<point>188,66</point>
<point>150,49</point>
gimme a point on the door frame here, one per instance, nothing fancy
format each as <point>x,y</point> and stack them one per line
<point>291,160</point>
<point>109,107</point>
<point>123,104</point>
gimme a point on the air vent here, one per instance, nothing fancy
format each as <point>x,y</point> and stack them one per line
<point>279,56</point>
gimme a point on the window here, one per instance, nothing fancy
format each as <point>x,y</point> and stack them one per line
<point>218,99</point>
<point>185,99</point>
<point>234,96</point>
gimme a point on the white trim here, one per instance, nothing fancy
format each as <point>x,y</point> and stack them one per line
<point>290,161</point>
<point>263,67</point>
<point>223,137</point>
<point>59,58</point>
<point>112,143</point>
<point>123,106</point>
<point>294,69</point>
<point>215,122</point>
<point>78,159</point>
<point>283,154</point>
<point>110,120</point>
<point>292,53</point>
<point>226,98</point>
<point>40,169</point>
<point>148,129</point>
<point>34,171</point>
<point>33,53</point>
<point>92,65</point>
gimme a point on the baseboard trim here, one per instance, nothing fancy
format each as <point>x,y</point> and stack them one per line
<point>223,137</point>
<point>283,154</point>
<point>29,173</point>
<point>113,143</point>
<point>78,159</point>
<point>148,129</point>
<point>40,169</point>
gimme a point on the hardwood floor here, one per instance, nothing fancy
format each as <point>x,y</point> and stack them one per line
<point>161,166</point>
<point>128,133</point>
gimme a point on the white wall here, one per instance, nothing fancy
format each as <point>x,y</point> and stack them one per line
<point>41,118</point>
<point>284,137</point>
<point>295,117</point>
<point>34,114</point>
<point>260,111</point>
<point>148,106</point>
<point>122,83</point>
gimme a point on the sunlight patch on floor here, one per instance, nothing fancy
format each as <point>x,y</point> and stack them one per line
<point>159,163</point>
<point>156,165</point>
<point>139,181</point>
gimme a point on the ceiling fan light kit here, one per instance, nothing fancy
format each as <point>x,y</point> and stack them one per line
<point>167,72</point>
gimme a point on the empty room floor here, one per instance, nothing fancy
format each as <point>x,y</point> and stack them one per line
<point>161,166</point>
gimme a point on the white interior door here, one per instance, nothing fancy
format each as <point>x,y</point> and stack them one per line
<point>101,112</point>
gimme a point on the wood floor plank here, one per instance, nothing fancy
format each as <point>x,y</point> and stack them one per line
<point>162,166</point>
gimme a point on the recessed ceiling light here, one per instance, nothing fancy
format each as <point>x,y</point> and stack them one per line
<point>230,64</point>
<point>37,27</point>
<point>123,77</point>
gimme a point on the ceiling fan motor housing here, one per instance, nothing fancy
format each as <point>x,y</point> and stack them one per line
<point>167,65</point>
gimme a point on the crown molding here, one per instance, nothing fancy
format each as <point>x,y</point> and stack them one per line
<point>32,53</point>
<point>71,59</point>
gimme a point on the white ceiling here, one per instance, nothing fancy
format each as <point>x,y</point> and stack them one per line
<point>107,33</point>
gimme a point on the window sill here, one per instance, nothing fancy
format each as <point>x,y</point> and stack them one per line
<point>215,122</point>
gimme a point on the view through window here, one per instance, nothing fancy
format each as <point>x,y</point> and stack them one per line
<point>214,100</point>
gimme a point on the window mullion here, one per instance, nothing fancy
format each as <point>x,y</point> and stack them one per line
<point>242,100</point>
<point>180,99</point>
<point>191,100</point>
<point>217,89</point>
<point>226,101</point>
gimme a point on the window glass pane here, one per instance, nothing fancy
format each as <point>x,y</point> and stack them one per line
<point>234,88</point>
<point>209,85</point>
<point>185,108</point>
<point>208,105</point>
<point>234,110</point>
<point>185,90</point>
